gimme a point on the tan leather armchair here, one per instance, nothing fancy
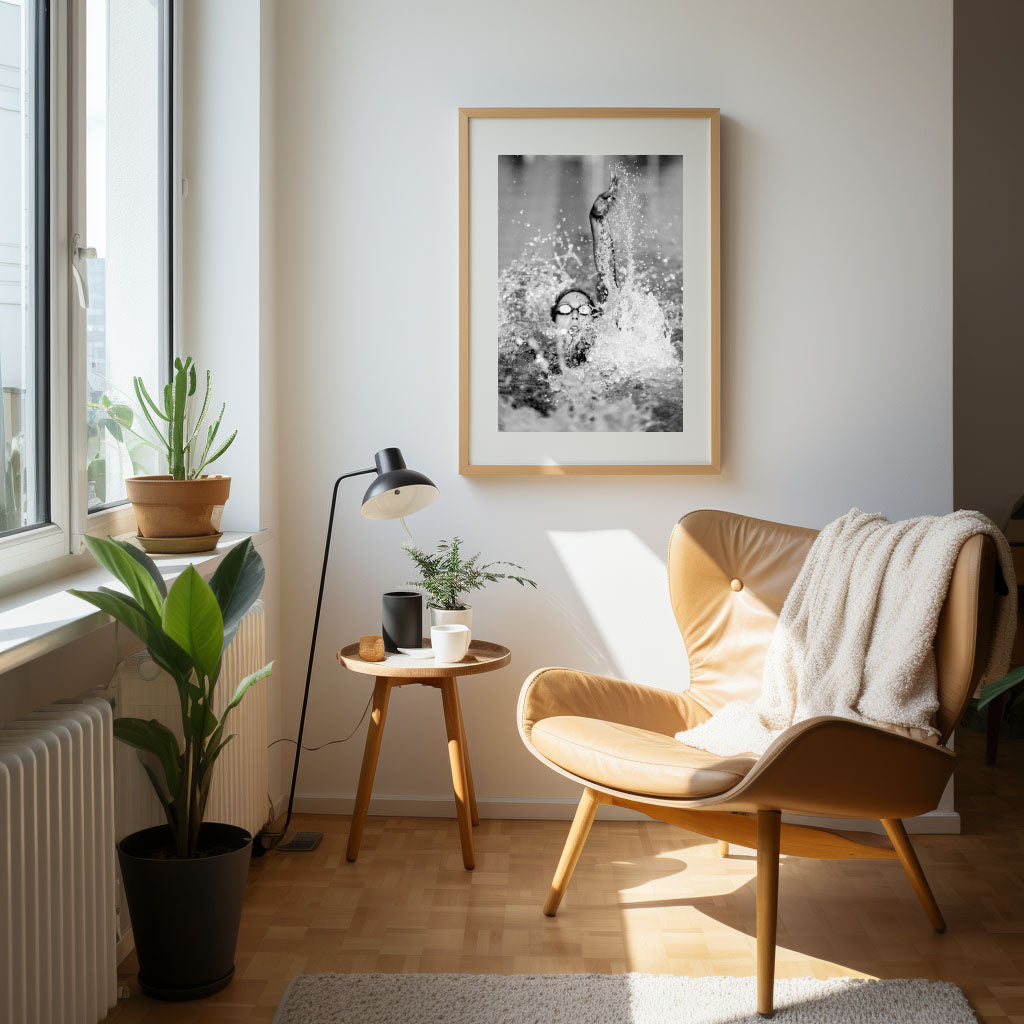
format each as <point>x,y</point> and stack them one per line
<point>728,579</point>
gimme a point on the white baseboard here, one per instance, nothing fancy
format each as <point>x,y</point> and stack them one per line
<point>512,808</point>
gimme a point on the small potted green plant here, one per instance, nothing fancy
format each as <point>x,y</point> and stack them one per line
<point>184,502</point>
<point>184,881</point>
<point>447,577</point>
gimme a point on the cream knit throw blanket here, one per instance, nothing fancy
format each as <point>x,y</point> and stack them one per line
<point>854,639</point>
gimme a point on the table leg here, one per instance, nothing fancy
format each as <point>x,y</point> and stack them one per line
<point>456,755</point>
<point>473,812</point>
<point>374,735</point>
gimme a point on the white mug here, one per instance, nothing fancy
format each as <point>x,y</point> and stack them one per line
<point>450,643</point>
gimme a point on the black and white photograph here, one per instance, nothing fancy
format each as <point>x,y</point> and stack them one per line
<point>590,293</point>
<point>589,287</point>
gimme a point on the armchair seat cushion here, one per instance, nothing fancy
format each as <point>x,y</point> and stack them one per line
<point>635,760</point>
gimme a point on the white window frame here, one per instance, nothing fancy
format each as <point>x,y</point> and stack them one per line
<point>48,542</point>
<point>70,520</point>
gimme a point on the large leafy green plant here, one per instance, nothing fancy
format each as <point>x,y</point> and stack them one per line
<point>186,630</point>
<point>446,575</point>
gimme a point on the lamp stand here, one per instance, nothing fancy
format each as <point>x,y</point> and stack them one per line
<point>304,842</point>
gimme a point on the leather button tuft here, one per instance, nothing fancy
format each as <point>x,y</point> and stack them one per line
<point>737,585</point>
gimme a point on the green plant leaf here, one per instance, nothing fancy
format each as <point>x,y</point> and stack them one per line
<point>200,417</point>
<point>123,608</point>
<point>131,573</point>
<point>162,649</point>
<point>218,453</point>
<point>146,562</point>
<point>447,575</point>
<point>1000,686</point>
<point>202,720</point>
<point>113,428</point>
<point>236,584</point>
<point>123,414</point>
<point>145,403</point>
<point>244,685</point>
<point>156,738</point>
<point>212,753</point>
<point>192,619</point>
<point>165,803</point>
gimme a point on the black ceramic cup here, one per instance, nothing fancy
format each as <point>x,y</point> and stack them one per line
<point>402,619</point>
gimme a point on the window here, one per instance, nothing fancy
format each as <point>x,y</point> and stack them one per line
<point>127,220</point>
<point>24,252</point>
<point>86,216</point>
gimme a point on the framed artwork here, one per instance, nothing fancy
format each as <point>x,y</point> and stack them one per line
<point>589,306</point>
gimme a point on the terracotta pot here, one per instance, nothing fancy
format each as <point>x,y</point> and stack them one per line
<point>165,507</point>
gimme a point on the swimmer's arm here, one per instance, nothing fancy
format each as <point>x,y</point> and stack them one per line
<point>604,246</point>
<point>604,257</point>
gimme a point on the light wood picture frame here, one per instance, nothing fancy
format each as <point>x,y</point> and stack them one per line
<point>589,291</point>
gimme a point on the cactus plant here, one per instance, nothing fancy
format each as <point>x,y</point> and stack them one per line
<point>171,423</point>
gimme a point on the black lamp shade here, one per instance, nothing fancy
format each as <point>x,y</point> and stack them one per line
<point>397,490</point>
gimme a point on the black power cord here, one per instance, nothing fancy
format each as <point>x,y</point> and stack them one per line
<point>268,839</point>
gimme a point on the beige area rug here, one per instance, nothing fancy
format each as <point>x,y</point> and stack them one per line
<point>610,999</point>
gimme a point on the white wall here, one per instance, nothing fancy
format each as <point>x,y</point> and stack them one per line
<point>221,231</point>
<point>836,186</point>
<point>227,307</point>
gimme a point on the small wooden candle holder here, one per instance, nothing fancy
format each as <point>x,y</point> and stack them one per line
<point>371,648</point>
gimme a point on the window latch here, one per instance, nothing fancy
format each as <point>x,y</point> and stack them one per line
<point>79,270</point>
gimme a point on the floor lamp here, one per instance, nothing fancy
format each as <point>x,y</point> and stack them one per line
<point>396,492</point>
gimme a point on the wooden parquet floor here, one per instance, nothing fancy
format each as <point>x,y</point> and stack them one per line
<point>645,897</point>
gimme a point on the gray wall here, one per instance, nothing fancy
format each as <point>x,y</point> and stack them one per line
<point>988,255</point>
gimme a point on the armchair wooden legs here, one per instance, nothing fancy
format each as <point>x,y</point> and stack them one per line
<point>769,825</point>
<point>766,832</point>
<point>585,813</point>
<point>905,851</point>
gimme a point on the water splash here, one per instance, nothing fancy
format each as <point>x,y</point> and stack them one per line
<point>623,372</point>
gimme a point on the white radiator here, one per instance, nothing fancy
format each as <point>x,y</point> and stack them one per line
<point>57,959</point>
<point>238,795</point>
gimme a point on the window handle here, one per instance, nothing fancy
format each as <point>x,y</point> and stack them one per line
<point>78,269</point>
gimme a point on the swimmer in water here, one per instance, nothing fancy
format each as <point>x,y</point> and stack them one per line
<point>572,313</point>
<point>574,310</point>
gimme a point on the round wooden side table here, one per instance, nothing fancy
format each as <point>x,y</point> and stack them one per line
<point>403,670</point>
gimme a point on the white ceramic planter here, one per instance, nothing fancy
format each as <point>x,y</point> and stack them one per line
<point>455,617</point>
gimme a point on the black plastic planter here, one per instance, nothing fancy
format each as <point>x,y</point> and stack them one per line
<point>185,913</point>
<point>402,619</point>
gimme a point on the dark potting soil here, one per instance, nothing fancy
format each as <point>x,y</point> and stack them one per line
<point>169,853</point>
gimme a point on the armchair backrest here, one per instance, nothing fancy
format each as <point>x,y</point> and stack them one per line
<point>728,579</point>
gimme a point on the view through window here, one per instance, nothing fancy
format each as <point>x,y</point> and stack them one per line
<point>23,341</point>
<point>128,224</point>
